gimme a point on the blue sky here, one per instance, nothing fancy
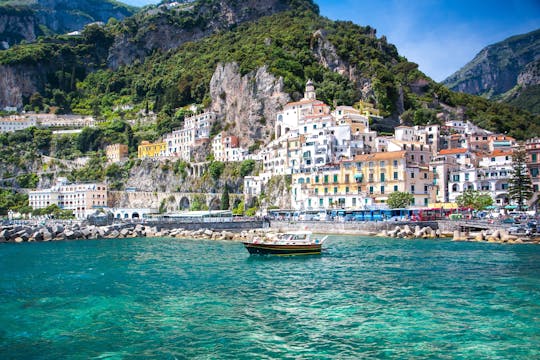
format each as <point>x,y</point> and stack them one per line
<point>439,35</point>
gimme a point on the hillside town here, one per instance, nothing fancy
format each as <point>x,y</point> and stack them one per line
<point>333,157</point>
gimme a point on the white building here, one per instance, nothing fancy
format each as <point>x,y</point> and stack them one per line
<point>82,199</point>
<point>14,122</point>
<point>196,128</point>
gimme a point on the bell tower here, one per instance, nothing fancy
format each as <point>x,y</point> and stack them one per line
<point>310,93</point>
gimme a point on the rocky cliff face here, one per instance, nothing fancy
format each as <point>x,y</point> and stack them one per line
<point>495,70</point>
<point>18,82</point>
<point>17,25</point>
<point>248,104</point>
<point>22,20</point>
<point>166,28</point>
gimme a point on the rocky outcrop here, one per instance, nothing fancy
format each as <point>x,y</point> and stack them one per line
<point>24,22</point>
<point>248,104</point>
<point>16,25</point>
<point>495,70</point>
<point>18,82</point>
<point>325,52</point>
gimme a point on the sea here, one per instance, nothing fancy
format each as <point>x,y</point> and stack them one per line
<point>363,298</point>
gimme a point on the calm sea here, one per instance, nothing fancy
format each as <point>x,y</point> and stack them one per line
<point>182,299</point>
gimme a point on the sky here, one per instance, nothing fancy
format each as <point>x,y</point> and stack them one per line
<point>440,36</point>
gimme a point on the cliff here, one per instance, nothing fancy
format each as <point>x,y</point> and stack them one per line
<point>26,20</point>
<point>248,104</point>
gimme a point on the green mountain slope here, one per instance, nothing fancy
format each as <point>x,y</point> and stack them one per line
<point>503,71</point>
<point>347,62</point>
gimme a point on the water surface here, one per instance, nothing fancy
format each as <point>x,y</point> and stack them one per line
<point>183,299</point>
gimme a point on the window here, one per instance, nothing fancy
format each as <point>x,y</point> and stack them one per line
<point>326,179</point>
<point>371,164</point>
<point>395,188</point>
<point>382,164</point>
<point>371,189</point>
<point>325,190</point>
<point>395,175</point>
<point>317,179</point>
<point>412,175</point>
<point>335,178</point>
<point>455,178</point>
<point>335,189</point>
<point>321,203</point>
<point>534,157</point>
<point>467,177</point>
<point>347,178</point>
<point>412,189</point>
<point>347,190</point>
<point>382,177</point>
<point>382,189</point>
<point>395,163</point>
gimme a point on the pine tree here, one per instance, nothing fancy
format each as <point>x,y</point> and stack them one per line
<point>520,185</point>
<point>225,199</point>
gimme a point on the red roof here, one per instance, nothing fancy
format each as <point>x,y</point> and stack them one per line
<point>453,151</point>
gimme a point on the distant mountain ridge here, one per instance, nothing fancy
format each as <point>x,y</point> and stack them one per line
<point>25,20</point>
<point>502,71</point>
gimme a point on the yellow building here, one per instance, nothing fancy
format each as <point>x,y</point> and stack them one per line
<point>148,149</point>
<point>363,182</point>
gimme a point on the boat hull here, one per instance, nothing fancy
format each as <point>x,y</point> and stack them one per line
<point>284,250</point>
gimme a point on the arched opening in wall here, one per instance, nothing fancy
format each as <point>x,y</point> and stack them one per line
<point>215,204</point>
<point>252,201</point>
<point>118,216</point>
<point>278,131</point>
<point>135,215</point>
<point>455,187</point>
<point>236,202</point>
<point>126,216</point>
<point>184,203</point>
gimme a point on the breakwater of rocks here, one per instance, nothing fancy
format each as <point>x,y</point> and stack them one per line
<point>496,236</point>
<point>76,231</point>
<point>406,232</point>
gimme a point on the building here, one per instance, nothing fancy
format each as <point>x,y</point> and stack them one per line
<point>151,150</point>
<point>82,199</point>
<point>227,149</point>
<point>15,122</point>
<point>196,130</point>
<point>363,182</point>
<point>532,147</point>
<point>116,152</point>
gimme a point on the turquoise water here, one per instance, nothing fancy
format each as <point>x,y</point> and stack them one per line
<point>182,299</point>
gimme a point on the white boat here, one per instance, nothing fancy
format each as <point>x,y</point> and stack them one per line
<point>288,243</point>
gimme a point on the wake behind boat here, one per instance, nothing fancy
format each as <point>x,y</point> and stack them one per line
<point>289,243</point>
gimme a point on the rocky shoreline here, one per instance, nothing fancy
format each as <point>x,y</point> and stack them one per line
<point>77,231</point>
<point>497,236</point>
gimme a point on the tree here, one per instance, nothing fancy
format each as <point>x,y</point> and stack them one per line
<point>225,199</point>
<point>216,169</point>
<point>474,199</point>
<point>520,185</point>
<point>399,199</point>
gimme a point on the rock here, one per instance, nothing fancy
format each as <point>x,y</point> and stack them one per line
<point>113,234</point>
<point>18,239</point>
<point>47,236</point>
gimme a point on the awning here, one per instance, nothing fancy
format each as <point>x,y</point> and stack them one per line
<point>491,207</point>
<point>510,207</point>
<point>359,176</point>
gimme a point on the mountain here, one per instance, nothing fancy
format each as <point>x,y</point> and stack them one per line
<point>244,59</point>
<point>507,71</point>
<point>27,19</point>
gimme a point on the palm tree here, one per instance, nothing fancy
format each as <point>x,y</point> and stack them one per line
<point>520,185</point>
